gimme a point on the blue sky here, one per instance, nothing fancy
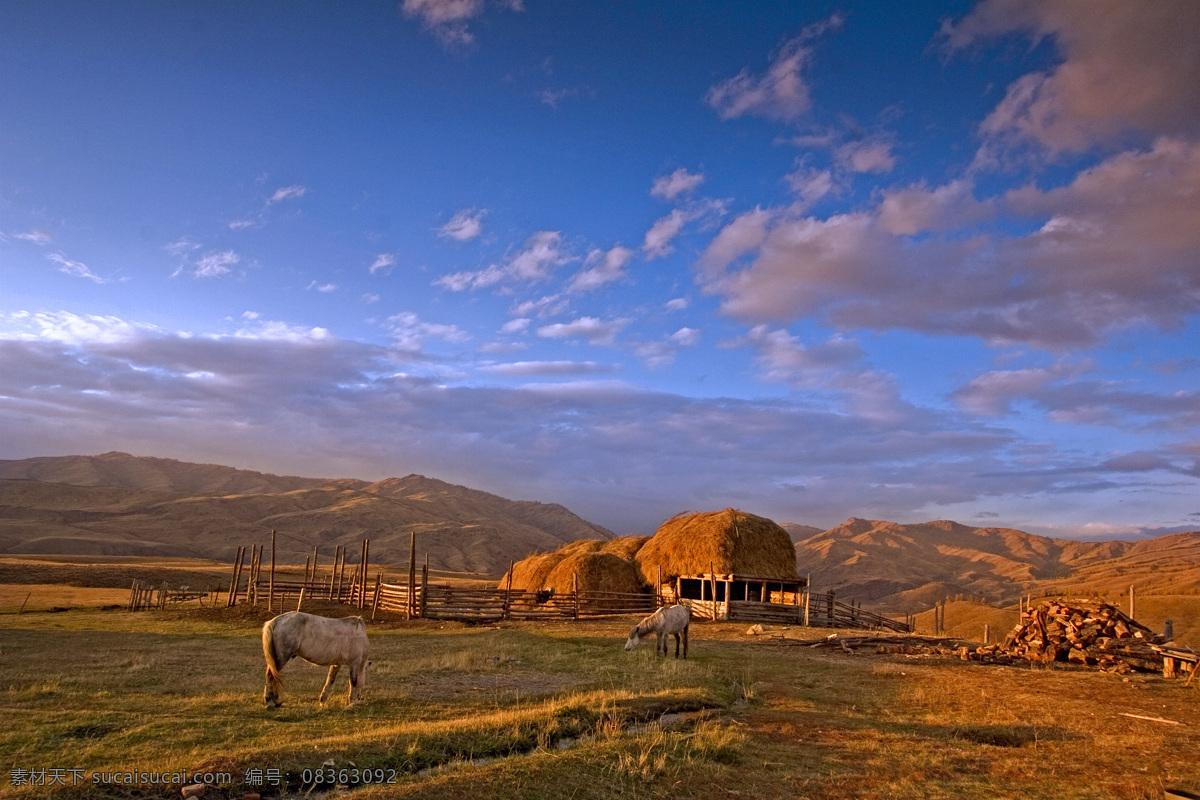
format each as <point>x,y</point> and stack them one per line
<point>811,260</point>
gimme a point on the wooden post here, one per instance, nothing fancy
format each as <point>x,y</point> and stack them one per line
<point>1132,615</point>
<point>829,606</point>
<point>375,599</point>
<point>233,585</point>
<point>300,601</point>
<point>366,554</point>
<point>658,597</point>
<point>575,592</point>
<point>237,576</point>
<point>314,567</point>
<point>411,605</point>
<point>729,592</point>
<point>271,588</point>
<point>424,584</point>
<point>712,586</point>
<point>508,591</point>
<point>987,634</point>
<point>807,602</point>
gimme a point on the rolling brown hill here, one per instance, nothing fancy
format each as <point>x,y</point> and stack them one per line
<point>895,568</point>
<point>121,504</point>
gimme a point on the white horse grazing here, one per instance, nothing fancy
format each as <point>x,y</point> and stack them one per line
<point>667,621</point>
<point>318,640</point>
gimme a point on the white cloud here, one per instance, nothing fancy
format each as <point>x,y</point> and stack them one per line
<point>1126,67</point>
<point>809,184</point>
<point>64,327</point>
<point>447,19</point>
<point>1064,395</point>
<point>410,333</point>
<point>782,92</point>
<point>676,304</point>
<point>534,263</point>
<point>287,193</point>
<point>216,264</point>
<point>519,325</point>
<point>75,269</point>
<point>1116,248</point>
<point>918,209</point>
<point>668,187</point>
<point>658,239</point>
<point>323,288</point>
<point>779,94</point>
<point>292,400</point>
<point>37,236</point>
<point>596,331</point>
<point>382,263</point>
<point>464,226</point>
<point>870,156</point>
<point>744,235</point>
<point>686,337</point>
<point>530,369</point>
<point>601,267</point>
<point>549,306</point>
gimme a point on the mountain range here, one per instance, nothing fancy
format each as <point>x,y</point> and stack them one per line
<point>119,504</point>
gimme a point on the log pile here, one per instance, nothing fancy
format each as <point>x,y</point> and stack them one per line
<point>1088,633</point>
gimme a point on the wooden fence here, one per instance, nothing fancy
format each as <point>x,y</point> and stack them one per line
<point>418,598</point>
<point>144,596</point>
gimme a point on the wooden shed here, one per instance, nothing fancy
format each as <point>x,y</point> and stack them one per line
<point>716,558</point>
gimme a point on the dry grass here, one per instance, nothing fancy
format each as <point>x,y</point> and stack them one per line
<point>556,711</point>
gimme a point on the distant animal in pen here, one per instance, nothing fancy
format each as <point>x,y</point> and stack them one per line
<point>667,621</point>
<point>318,640</point>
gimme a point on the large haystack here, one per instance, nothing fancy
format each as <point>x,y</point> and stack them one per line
<point>595,572</point>
<point>725,542</point>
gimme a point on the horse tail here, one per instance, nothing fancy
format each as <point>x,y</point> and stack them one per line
<point>274,678</point>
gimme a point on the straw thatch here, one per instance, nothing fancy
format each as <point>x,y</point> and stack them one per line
<point>529,574</point>
<point>625,547</point>
<point>725,542</point>
<point>532,574</point>
<point>595,572</point>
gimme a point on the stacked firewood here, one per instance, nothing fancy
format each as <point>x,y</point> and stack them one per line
<point>1089,633</point>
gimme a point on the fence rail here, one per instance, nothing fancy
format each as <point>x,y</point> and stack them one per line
<point>418,598</point>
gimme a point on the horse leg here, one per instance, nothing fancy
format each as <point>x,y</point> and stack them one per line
<point>676,644</point>
<point>272,695</point>
<point>354,679</point>
<point>333,671</point>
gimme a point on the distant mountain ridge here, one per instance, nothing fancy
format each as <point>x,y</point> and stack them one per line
<point>896,567</point>
<point>117,503</point>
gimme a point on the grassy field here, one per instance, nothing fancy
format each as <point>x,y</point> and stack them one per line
<point>553,711</point>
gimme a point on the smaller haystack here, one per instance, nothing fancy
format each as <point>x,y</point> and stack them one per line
<point>590,557</point>
<point>595,572</point>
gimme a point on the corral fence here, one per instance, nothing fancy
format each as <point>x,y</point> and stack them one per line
<point>144,595</point>
<point>816,610</point>
<point>419,598</point>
